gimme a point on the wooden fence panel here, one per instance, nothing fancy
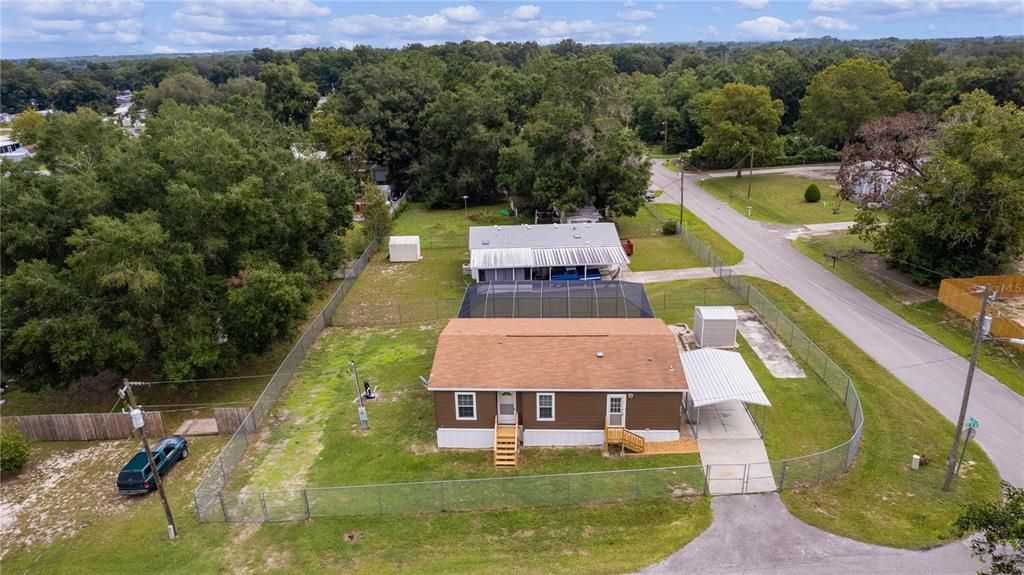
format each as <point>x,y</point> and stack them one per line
<point>229,419</point>
<point>959,295</point>
<point>85,426</point>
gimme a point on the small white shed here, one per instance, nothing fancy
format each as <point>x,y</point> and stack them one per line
<point>715,325</point>
<point>404,249</point>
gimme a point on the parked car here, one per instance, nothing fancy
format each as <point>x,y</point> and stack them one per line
<point>649,195</point>
<point>136,476</point>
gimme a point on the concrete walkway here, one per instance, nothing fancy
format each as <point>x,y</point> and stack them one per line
<point>756,534</point>
<point>922,364</point>
<point>773,353</point>
<point>657,276</point>
<point>732,451</point>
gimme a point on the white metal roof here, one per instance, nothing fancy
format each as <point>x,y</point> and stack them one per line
<point>404,240</point>
<point>717,375</point>
<point>496,247</point>
<point>717,312</point>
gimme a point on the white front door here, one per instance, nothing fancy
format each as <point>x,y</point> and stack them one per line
<point>506,408</point>
<point>616,411</point>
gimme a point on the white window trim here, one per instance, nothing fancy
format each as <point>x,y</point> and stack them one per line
<point>537,399</point>
<point>471,394</point>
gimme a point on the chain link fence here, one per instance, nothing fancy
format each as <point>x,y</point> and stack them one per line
<point>814,468</point>
<point>214,503</point>
<point>207,493</point>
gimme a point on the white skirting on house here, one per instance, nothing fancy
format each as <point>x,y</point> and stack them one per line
<point>562,437</point>
<point>657,434</point>
<point>465,438</point>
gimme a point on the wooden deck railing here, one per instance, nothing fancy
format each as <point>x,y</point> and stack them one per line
<point>624,437</point>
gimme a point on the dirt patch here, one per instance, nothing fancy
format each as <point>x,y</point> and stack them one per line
<point>58,495</point>
<point>893,279</point>
<point>1012,308</point>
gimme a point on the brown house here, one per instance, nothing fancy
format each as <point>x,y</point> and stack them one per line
<point>556,382</point>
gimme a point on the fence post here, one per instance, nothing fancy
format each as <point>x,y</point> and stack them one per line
<point>746,474</point>
<point>568,488</point>
<point>846,397</point>
<point>821,463</point>
<point>707,477</point>
<point>380,500</point>
<point>263,503</point>
<point>637,476</point>
<point>305,501</point>
<point>195,499</point>
<point>782,477</point>
<point>223,508</point>
<point>443,506</point>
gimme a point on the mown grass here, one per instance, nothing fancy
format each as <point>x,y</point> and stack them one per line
<point>880,500</point>
<point>661,253</point>
<point>941,323</point>
<point>729,253</point>
<point>778,198</point>
<point>805,416</point>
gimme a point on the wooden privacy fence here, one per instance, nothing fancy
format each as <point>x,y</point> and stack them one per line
<point>229,419</point>
<point>962,296</point>
<point>85,426</point>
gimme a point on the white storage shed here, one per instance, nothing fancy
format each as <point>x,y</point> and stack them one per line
<point>404,249</point>
<point>715,325</point>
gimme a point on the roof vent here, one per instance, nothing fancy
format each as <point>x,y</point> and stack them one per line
<point>487,242</point>
<point>577,236</point>
<point>556,226</point>
<point>600,354</point>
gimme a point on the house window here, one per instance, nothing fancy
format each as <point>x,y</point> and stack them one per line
<point>465,406</point>
<point>545,407</point>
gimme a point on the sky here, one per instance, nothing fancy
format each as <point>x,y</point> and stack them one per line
<point>56,28</point>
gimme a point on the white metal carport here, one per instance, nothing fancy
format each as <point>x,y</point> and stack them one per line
<point>716,376</point>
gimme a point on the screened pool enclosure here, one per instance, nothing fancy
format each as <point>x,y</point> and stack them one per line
<point>556,299</point>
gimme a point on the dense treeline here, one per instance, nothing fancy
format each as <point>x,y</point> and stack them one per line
<point>200,241</point>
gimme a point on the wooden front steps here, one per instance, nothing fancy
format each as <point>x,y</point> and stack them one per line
<point>506,445</point>
<point>627,439</point>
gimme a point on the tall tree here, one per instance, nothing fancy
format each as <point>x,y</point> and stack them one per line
<point>744,120</point>
<point>844,96</point>
<point>916,64</point>
<point>287,96</point>
<point>960,216</point>
<point>999,530</point>
<point>884,150</point>
<point>28,126</point>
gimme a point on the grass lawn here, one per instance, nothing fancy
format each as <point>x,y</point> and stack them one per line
<point>661,253</point>
<point>880,500</point>
<point>729,253</point>
<point>316,440</point>
<point>943,324</point>
<point>448,228</point>
<point>644,223</point>
<point>805,416</point>
<point>778,198</point>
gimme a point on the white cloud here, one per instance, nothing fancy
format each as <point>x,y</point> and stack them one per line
<point>466,13</point>
<point>274,9</point>
<point>753,4</point>
<point>829,5</point>
<point>372,25</point>
<point>194,39</point>
<point>659,6</point>
<point>768,28</point>
<point>42,25</point>
<point>709,31</point>
<point>161,49</point>
<point>525,12</point>
<point>832,24</point>
<point>771,28</point>
<point>96,9</point>
<point>636,15</point>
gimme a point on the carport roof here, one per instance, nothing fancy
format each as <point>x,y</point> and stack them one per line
<point>717,375</point>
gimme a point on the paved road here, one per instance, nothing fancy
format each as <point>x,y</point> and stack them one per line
<point>928,368</point>
<point>755,534</point>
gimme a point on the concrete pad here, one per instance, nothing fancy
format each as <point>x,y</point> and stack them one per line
<point>809,230</point>
<point>191,427</point>
<point>732,452</point>
<point>770,349</point>
<point>658,276</point>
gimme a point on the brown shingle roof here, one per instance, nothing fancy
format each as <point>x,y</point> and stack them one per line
<point>557,354</point>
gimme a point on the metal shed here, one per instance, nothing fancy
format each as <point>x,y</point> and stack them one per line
<point>404,249</point>
<point>715,326</point>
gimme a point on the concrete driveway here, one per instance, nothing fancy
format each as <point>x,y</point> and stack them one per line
<point>732,451</point>
<point>927,367</point>
<point>756,534</point>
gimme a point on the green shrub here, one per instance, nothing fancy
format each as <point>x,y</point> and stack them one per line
<point>812,194</point>
<point>670,228</point>
<point>14,448</point>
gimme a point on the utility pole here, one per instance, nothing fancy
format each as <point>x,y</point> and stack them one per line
<point>682,191</point>
<point>140,423</point>
<point>978,336</point>
<point>664,146</point>
<point>750,180</point>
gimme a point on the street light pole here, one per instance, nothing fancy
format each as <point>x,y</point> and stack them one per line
<point>126,393</point>
<point>465,205</point>
<point>979,335</point>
